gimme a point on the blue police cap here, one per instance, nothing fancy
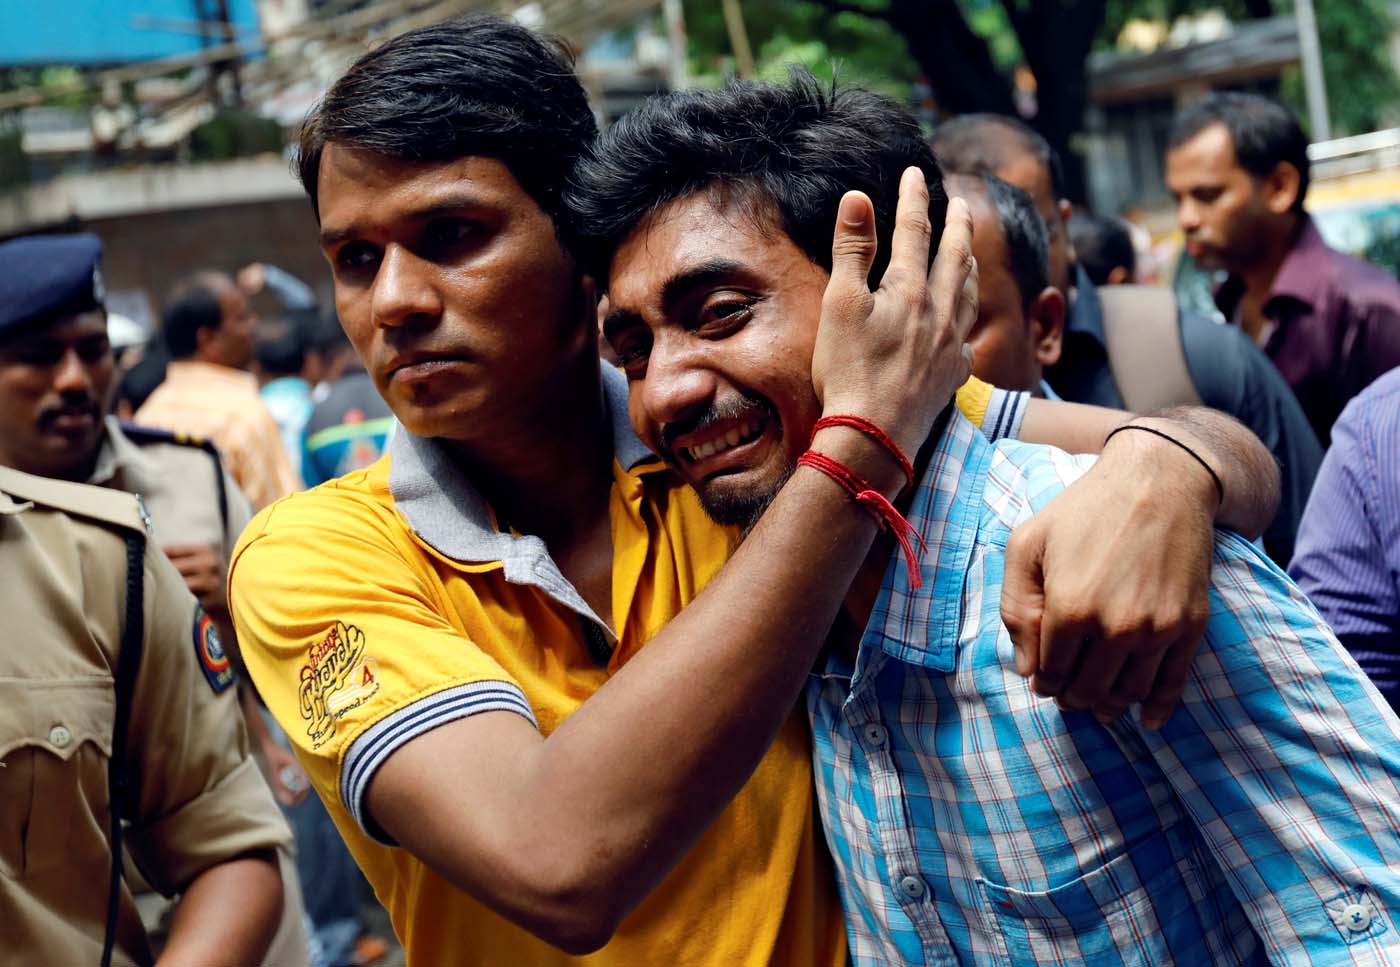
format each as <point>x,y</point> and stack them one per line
<point>45,276</point>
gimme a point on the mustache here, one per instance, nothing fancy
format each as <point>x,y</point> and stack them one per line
<point>83,405</point>
<point>732,407</point>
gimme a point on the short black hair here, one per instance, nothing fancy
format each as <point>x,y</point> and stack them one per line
<point>797,147</point>
<point>976,144</point>
<point>476,85</point>
<point>1024,235</point>
<point>193,304</point>
<point>1101,244</point>
<point>1264,133</point>
<point>142,379</point>
<point>280,347</point>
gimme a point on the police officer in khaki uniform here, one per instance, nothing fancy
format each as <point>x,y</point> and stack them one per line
<point>56,375</point>
<point>114,690</point>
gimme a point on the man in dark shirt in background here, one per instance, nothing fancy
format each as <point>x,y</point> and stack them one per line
<point>1218,365</point>
<point>1238,167</point>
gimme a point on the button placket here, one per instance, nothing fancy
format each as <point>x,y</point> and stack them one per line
<point>897,842</point>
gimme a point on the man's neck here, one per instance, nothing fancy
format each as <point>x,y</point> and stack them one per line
<point>549,473</point>
<point>1259,274</point>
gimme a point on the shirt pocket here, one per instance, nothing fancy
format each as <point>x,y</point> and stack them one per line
<point>55,742</point>
<point>1122,912</point>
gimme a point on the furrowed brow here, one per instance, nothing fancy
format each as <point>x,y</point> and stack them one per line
<point>682,284</point>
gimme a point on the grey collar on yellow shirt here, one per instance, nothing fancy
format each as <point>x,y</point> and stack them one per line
<point>445,509</point>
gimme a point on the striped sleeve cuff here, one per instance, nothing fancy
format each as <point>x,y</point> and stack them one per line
<point>368,752</point>
<point>1005,411</point>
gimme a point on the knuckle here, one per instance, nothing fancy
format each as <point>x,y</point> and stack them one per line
<point>851,246</point>
<point>1131,693</point>
<point>918,222</point>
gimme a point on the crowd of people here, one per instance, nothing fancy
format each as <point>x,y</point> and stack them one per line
<point>755,533</point>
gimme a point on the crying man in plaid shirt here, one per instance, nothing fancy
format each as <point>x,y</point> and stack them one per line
<point>971,820</point>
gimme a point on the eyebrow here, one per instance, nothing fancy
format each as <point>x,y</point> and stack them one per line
<point>674,290</point>
<point>443,205</point>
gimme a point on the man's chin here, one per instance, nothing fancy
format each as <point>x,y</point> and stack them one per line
<point>734,503</point>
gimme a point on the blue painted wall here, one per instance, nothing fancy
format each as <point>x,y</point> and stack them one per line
<point>39,32</point>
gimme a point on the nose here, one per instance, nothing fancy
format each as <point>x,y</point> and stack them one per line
<point>72,375</point>
<point>1188,215</point>
<point>678,383</point>
<point>404,289</point>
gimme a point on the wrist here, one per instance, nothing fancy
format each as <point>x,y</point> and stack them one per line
<point>863,456</point>
<point>1160,451</point>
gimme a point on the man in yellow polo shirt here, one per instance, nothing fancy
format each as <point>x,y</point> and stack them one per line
<point>453,637</point>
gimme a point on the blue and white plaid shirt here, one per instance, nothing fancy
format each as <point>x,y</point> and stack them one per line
<point>973,822</point>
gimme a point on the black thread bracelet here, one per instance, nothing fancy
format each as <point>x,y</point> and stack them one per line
<point>1219,487</point>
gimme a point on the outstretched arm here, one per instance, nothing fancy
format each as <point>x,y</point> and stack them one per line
<point>1246,467</point>
<point>1105,589</point>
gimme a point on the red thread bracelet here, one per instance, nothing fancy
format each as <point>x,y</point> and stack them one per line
<point>879,507</point>
<point>875,433</point>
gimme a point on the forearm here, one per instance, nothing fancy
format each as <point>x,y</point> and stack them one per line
<point>227,915</point>
<point>1248,472</point>
<point>585,823</point>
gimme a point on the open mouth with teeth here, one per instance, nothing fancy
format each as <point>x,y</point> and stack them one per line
<point>735,437</point>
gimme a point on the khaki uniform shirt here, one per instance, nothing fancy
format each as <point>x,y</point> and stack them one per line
<point>179,481</point>
<point>63,578</point>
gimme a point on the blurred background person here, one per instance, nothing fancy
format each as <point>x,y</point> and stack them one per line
<point>1237,165</point>
<point>280,366</point>
<point>1104,247</point>
<point>1348,558</point>
<point>1131,347</point>
<point>208,390</point>
<point>350,427</point>
<point>1020,315</point>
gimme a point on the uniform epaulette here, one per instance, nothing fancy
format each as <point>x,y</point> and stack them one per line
<point>81,500</point>
<point>149,434</point>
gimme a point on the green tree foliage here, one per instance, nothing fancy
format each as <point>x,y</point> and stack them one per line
<point>965,50</point>
<point>861,49</point>
<point>1363,91</point>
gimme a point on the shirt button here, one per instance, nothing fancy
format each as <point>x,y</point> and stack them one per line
<point>912,887</point>
<point>1357,917</point>
<point>876,735</point>
<point>59,737</point>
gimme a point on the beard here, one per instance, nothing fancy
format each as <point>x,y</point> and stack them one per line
<point>741,506</point>
<point>724,501</point>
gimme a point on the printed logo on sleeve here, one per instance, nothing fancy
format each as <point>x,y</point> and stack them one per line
<point>209,650</point>
<point>337,677</point>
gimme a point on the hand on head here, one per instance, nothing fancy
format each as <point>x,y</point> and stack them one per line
<point>897,355</point>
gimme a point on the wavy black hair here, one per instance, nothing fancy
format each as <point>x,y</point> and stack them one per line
<point>795,148</point>
<point>475,85</point>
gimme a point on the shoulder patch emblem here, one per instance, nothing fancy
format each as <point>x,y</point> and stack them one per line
<point>209,651</point>
<point>337,677</point>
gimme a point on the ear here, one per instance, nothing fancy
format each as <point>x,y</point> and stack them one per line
<point>1066,209</point>
<point>1118,275</point>
<point>1047,319</point>
<point>1280,188</point>
<point>204,337</point>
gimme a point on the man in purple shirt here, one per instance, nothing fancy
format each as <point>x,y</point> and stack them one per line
<point>1348,556</point>
<point>1237,165</point>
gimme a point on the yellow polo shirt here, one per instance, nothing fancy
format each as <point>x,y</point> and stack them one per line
<point>384,604</point>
